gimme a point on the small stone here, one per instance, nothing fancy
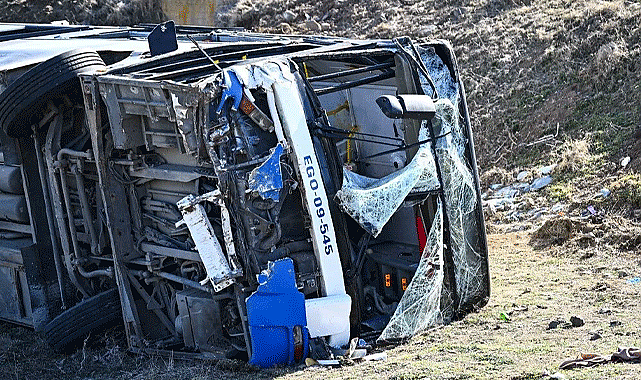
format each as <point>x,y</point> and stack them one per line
<point>625,161</point>
<point>313,25</point>
<point>326,26</point>
<point>554,324</point>
<point>289,16</point>
<point>547,169</point>
<point>615,323</point>
<point>542,182</point>
<point>594,335</point>
<point>558,376</point>
<point>604,310</point>
<point>622,274</point>
<point>522,176</point>
<point>577,321</point>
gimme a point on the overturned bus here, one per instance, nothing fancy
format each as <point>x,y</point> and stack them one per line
<point>226,193</point>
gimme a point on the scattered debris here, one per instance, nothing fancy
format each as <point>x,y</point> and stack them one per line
<point>577,321</point>
<point>594,335</point>
<point>623,355</point>
<point>381,356</point>
<point>604,192</point>
<point>635,280</point>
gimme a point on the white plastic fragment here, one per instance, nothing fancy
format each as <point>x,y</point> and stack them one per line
<point>209,249</point>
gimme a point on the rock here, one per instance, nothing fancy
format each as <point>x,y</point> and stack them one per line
<point>285,28</point>
<point>289,16</point>
<point>622,274</point>
<point>577,321</point>
<point>313,26</point>
<point>496,186</point>
<point>594,335</point>
<point>522,176</point>
<point>604,193</point>
<point>545,170</point>
<point>554,324</point>
<point>326,26</point>
<point>540,183</point>
<point>558,207</point>
<point>604,310</point>
<point>506,192</point>
<point>615,323</point>
<point>558,376</point>
<point>625,161</point>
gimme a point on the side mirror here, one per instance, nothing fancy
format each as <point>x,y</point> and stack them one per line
<point>418,107</point>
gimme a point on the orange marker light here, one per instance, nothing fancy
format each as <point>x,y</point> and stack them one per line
<point>388,280</point>
<point>404,283</point>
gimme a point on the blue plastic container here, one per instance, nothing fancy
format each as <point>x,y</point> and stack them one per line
<point>276,316</point>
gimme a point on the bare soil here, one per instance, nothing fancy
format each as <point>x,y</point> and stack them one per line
<point>508,339</point>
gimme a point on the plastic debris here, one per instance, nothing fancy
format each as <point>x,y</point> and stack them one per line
<point>558,207</point>
<point>635,280</point>
<point>328,362</point>
<point>540,183</point>
<point>267,179</point>
<point>506,192</point>
<point>604,193</point>
<point>381,356</point>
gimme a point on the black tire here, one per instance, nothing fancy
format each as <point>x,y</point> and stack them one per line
<point>92,315</point>
<point>21,103</point>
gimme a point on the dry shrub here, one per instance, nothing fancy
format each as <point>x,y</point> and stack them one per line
<point>131,12</point>
<point>574,155</point>
<point>609,57</point>
<point>555,231</point>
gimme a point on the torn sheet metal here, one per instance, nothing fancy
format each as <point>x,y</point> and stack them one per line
<point>218,270</point>
<point>372,202</point>
<point>184,120</point>
<point>267,179</point>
